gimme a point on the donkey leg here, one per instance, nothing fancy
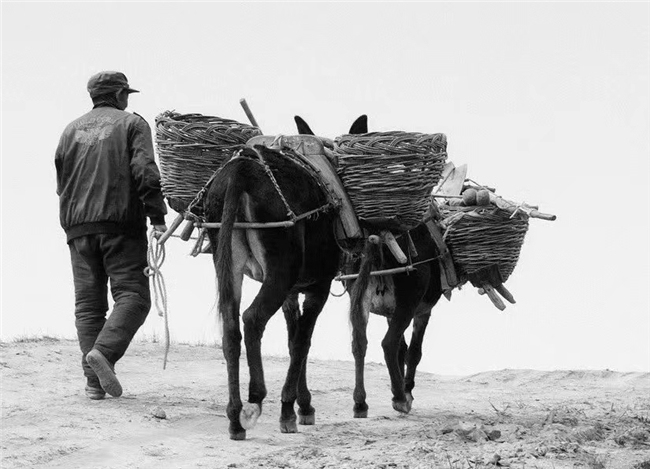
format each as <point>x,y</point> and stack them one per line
<point>401,355</point>
<point>295,386</point>
<point>391,345</point>
<point>266,303</point>
<point>232,350</point>
<point>414,353</point>
<point>291,310</point>
<point>306,413</point>
<point>359,347</point>
<point>231,344</point>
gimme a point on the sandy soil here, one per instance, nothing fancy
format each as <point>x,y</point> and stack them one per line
<point>508,418</point>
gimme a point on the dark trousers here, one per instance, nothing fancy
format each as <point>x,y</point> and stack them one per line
<point>96,259</point>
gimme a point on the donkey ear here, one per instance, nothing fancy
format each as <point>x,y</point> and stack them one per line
<point>360,126</point>
<point>303,127</point>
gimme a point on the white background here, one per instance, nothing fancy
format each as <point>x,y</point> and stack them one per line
<point>549,103</point>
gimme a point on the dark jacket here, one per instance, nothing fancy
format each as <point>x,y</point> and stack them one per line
<point>107,179</point>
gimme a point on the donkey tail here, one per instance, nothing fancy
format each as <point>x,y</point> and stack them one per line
<point>223,254</point>
<point>357,294</point>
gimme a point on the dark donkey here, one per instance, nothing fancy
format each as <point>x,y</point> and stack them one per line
<point>260,185</point>
<point>402,298</point>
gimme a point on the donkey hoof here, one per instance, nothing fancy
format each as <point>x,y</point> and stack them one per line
<point>361,414</point>
<point>402,406</point>
<point>289,426</point>
<point>238,436</point>
<point>307,419</point>
<point>360,411</point>
<point>249,414</point>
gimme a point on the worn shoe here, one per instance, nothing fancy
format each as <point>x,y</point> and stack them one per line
<point>104,371</point>
<point>95,394</point>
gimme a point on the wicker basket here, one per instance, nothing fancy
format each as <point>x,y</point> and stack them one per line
<point>389,175</point>
<point>191,147</point>
<point>481,238</point>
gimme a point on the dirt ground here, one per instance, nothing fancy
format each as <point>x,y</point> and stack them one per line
<point>508,418</point>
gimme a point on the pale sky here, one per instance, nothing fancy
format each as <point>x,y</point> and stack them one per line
<point>549,103</point>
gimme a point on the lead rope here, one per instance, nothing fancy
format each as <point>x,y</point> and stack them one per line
<point>155,259</point>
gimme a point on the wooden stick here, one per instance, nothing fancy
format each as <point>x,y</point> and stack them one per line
<point>249,113</point>
<point>175,224</point>
<point>196,250</point>
<point>503,291</point>
<point>512,207</point>
<point>394,248</point>
<point>412,249</point>
<point>186,233</point>
<point>249,225</point>
<point>494,297</point>
<point>396,270</point>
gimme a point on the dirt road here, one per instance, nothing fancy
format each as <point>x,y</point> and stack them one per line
<point>509,418</point>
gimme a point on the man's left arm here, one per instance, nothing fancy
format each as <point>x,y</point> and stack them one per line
<point>145,172</point>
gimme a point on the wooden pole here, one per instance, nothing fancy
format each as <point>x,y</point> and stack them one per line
<point>248,112</point>
<point>396,270</point>
<point>393,247</point>
<point>248,225</point>
<point>494,297</point>
<point>170,231</point>
<point>187,230</point>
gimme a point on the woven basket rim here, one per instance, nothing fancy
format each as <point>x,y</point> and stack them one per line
<point>194,117</point>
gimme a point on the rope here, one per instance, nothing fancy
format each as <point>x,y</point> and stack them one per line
<point>269,173</point>
<point>155,259</point>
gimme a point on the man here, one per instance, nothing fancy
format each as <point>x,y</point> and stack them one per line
<point>108,184</point>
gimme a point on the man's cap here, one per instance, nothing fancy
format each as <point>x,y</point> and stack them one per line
<point>108,82</point>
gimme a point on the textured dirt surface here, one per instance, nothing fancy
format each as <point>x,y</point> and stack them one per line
<point>508,418</point>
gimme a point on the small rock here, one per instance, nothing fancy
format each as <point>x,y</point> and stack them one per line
<point>447,429</point>
<point>494,460</point>
<point>493,434</point>
<point>541,450</point>
<point>470,431</point>
<point>159,413</point>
